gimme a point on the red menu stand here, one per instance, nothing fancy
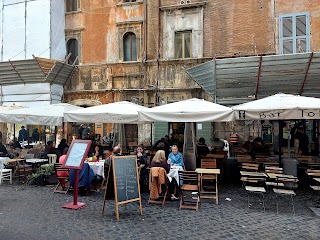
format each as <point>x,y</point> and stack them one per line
<point>76,155</point>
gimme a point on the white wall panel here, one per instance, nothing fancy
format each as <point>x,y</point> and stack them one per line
<point>13,32</point>
<point>26,88</point>
<point>27,98</point>
<point>57,89</point>
<point>58,45</point>
<point>38,29</point>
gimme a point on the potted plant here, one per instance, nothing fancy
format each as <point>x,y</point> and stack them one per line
<point>39,177</point>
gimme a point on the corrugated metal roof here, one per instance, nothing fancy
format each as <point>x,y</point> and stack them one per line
<point>31,71</point>
<point>238,80</point>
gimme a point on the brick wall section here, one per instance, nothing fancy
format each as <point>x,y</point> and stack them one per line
<point>235,28</point>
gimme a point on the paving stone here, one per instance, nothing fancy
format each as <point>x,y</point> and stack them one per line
<point>37,213</point>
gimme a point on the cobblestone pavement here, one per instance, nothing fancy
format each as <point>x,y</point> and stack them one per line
<point>36,213</point>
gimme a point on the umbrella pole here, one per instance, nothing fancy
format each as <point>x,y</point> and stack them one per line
<point>14,131</point>
<point>280,140</point>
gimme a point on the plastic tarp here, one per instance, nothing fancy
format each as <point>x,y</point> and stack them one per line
<point>31,94</point>
<point>279,107</point>
<point>118,112</point>
<point>44,115</point>
<point>32,27</point>
<point>191,110</point>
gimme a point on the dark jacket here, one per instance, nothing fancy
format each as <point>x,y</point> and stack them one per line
<point>162,164</point>
<point>23,135</point>
<point>35,136</point>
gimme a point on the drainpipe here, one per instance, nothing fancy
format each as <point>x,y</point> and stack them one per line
<point>158,55</point>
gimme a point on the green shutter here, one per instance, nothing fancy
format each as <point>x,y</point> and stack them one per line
<point>205,132</point>
<point>160,130</point>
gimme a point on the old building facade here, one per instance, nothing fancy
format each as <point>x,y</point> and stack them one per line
<point>138,50</point>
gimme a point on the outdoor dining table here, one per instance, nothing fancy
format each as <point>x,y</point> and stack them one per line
<point>36,160</point>
<point>253,174</point>
<point>97,167</point>
<point>174,173</point>
<point>208,172</point>
<point>276,175</point>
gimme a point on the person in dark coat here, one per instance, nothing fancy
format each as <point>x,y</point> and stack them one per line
<point>35,135</point>
<point>62,145</point>
<point>23,134</point>
<point>3,150</point>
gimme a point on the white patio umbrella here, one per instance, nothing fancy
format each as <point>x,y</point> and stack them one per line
<point>118,112</point>
<point>44,115</point>
<point>279,107</point>
<point>191,110</point>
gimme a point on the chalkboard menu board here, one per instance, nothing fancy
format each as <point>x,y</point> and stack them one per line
<point>125,178</point>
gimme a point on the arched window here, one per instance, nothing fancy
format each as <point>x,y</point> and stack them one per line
<point>129,47</point>
<point>72,47</point>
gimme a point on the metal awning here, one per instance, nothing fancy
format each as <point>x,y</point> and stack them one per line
<point>35,70</point>
<point>237,80</point>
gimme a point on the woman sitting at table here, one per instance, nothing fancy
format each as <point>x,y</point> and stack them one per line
<point>98,151</point>
<point>143,165</point>
<point>159,160</point>
<point>175,158</point>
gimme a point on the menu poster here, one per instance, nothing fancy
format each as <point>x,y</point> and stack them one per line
<point>78,152</point>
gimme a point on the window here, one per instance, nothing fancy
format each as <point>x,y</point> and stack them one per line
<point>129,47</point>
<point>294,33</point>
<point>183,44</point>
<point>71,5</point>
<point>127,1</point>
<point>72,47</point>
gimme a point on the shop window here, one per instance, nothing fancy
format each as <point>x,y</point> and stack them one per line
<point>71,5</point>
<point>294,33</point>
<point>183,44</point>
<point>73,48</point>
<point>129,47</point>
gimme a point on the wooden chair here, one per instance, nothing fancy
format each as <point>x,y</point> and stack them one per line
<point>208,164</point>
<point>250,167</point>
<point>24,170</point>
<point>189,190</point>
<point>153,186</point>
<point>61,180</point>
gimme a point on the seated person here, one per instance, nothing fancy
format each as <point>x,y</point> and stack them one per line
<point>143,165</point>
<point>86,176</point>
<point>159,160</point>
<point>62,160</point>
<point>3,150</point>
<point>218,145</point>
<point>202,150</point>
<point>62,145</point>
<point>98,151</point>
<point>117,151</point>
<point>246,146</point>
<point>49,147</point>
<point>175,157</point>
<point>258,146</point>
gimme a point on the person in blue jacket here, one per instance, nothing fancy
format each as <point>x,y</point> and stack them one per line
<point>175,157</point>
